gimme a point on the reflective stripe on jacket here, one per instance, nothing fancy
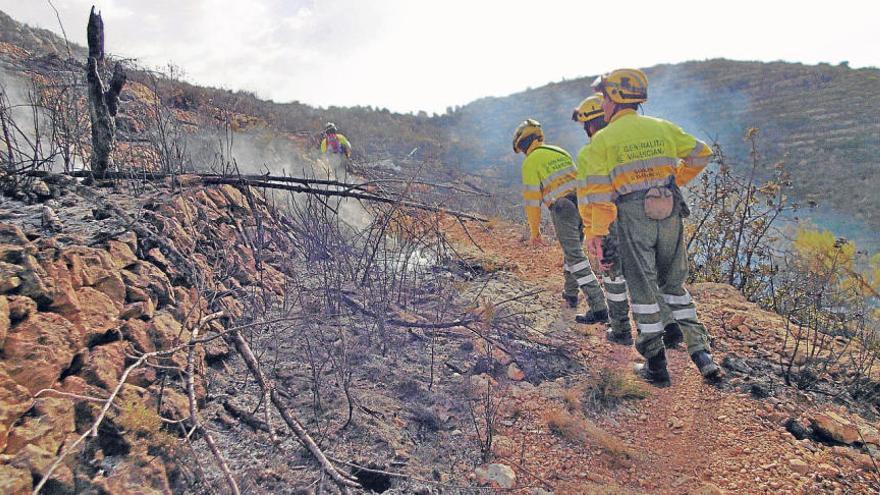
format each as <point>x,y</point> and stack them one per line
<point>584,187</point>
<point>635,153</point>
<point>548,174</point>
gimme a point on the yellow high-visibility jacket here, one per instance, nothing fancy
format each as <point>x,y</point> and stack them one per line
<point>635,153</point>
<point>584,206</point>
<point>548,174</point>
<point>343,143</point>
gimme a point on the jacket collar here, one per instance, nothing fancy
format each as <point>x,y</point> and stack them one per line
<point>621,113</point>
<point>535,145</point>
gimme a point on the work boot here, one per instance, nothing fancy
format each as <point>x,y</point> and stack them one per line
<point>672,336</point>
<point>591,317</point>
<point>654,371</point>
<point>621,333</point>
<point>572,301</point>
<point>710,371</point>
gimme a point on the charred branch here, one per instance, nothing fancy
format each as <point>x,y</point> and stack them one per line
<point>103,100</point>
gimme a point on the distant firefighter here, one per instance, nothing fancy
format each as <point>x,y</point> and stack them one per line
<point>334,142</point>
<point>548,177</point>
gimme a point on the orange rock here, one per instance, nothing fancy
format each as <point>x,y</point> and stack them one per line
<point>105,364</point>
<point>9,277</point>
<point>514,373</point>
<point>111,284</point>
<point>166,331</point>
<point>15,400</point>
<point>835,427</point>
<point>52,420</point>
<point>38,349</point>
<point>12,234</point>
<point>4,320</point>
<point>135,331</point>
<point>143,310</point>
<point>97,315</point>
<point>134,475</point>
<point>121,254</point>
<point>20,307</point>
<point>37,461</point>
<point>15,480</point>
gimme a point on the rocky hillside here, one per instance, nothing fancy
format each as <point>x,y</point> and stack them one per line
<point>84,292</point>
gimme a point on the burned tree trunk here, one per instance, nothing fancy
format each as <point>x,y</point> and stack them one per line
<point>103,101</point>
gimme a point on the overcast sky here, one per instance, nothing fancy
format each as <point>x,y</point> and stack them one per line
<point>410,55</point>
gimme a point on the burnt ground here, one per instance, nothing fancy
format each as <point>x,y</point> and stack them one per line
<point>413,390</point>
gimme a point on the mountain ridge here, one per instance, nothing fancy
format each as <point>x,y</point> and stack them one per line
<point>809,115</point>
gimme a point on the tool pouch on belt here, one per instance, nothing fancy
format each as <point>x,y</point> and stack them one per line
<point>659,202</point>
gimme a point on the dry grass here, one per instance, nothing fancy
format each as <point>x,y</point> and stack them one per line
<point>611,388</point>
<point>576,428</point>
<point>572,399</point>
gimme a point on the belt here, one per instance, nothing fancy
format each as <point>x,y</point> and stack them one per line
<point>633,196</point>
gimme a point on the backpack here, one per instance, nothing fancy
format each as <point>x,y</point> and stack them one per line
<point>333,144</point>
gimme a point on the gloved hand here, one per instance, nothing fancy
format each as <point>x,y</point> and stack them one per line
<point>594,247</point>
<point>610,253</point>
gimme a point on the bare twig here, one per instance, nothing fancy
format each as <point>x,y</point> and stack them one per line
<point>253,364</point>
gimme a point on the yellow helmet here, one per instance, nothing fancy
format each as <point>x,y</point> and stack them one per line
<point>530,128</point>
<point>623,86</point>
<point>588,109</point>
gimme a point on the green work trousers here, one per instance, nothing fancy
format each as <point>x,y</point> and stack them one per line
<point>655,264</point>
<point>578,272</point>
<point>615,291</point>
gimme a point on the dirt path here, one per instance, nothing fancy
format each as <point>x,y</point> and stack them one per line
<point>689,438</point>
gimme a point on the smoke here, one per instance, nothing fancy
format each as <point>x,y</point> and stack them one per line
<point>713,114</point>
<point>17,90</point>
<point>269,153</point>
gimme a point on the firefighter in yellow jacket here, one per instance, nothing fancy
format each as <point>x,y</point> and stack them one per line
<point>589,113</point>
<point>334,142</point>
<point>638,164</point>
<point>548,177</point>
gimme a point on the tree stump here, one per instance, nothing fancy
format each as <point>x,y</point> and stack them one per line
<point>103,101</point>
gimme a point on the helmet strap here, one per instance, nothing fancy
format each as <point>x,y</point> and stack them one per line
<point>526,143</point>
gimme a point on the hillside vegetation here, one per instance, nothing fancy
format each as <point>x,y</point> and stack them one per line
<point>820,119</point>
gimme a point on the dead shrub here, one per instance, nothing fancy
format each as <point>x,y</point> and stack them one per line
<point>572,399</point>
<point>578,429</point>
<point>611,388</point>
<point>425,417</point>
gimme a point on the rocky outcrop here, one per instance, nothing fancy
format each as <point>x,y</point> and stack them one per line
<point>74,307</point>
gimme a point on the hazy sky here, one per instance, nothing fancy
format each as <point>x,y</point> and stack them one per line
<point>409,55</point>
